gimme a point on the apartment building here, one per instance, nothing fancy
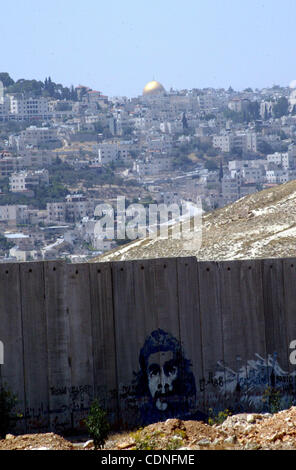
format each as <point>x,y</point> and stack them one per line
<point>74,208</point>
<point>36,136</point>
<point>223,142</point>
<point>279,176</point>
<point>113,151</point>
<point>14,214</point>
<point>78,206</point>
<point>239,105</point>
<point>162,143</point>
<point>56,212</point>
<point>153,164</point>
<point>244,141</point>
<point>21,108</point>
<point>230,189</point>
<point>171,127</point>
<point>27,180</point>
<point>8,164</point>
<point>35,158</point>
<point>286,159</point>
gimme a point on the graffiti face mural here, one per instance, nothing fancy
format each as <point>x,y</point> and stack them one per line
<point>165,385</point>
<point>162,372</point>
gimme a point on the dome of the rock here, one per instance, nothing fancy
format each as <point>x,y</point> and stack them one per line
<point>153,88</point>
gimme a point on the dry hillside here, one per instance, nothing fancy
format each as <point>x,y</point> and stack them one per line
<point>261,225</point>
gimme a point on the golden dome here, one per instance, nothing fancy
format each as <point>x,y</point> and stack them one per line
<point>153,88</point>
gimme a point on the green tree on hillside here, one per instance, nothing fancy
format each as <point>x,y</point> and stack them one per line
<point>6,79</point>
<point>281,108</point>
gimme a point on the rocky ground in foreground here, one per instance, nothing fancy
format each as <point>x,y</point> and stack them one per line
<point>242,431</point>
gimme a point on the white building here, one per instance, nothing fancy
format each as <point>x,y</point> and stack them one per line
<point>153,164</point>
<point>27,180</point>
<point>239,105</point>
<point>56,211</point>
<point>230,189</point>
<point>78,206</point>
<point>159,144</point>
<point>266,109</point>
<point>171,127</point>
<point>74,208</point>
<point>285,159</point>
<point>4,104</point>
<point>253,175</point>
<point>280,176</point>
<point>36,136</point>
<point>244,141</point>
<point>113,151</point>
<point>223,142</point>
<point>14,214</point>
<point>250,142</point>
<point>26,108</point>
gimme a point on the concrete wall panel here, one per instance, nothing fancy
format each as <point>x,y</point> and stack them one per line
<point>78,308</point>
<point>190,322</point>
<point>11,334</point>
<point>213,383</point>
<point>103,338</point>
<point>35,347</point>
<point>276,333</point>
<point>243,332</point>
<point>58,344</point>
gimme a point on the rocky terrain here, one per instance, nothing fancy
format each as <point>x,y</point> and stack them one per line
<point>242,431</point>
<point>261,225</point>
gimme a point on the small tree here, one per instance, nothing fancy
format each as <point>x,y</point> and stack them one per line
<point>97,425</point>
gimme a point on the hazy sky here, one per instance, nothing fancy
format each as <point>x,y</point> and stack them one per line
<point>116,46</point>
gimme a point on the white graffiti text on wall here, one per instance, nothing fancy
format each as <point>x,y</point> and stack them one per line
<point>249,382</point>
<point>292,356</point>
<point>1,353</point>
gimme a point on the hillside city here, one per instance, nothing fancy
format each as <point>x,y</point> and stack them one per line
<point>65,150</point>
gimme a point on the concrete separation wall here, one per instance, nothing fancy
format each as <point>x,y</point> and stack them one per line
<point>151,339</point>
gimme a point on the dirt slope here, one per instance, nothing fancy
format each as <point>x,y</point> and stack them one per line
<point>261,225</point>
<point>242,431</point>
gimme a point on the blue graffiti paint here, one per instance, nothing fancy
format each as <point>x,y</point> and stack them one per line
<point>246,386</point>
<point>165,385</point>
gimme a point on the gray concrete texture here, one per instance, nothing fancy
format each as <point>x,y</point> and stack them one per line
<point>151,339</point>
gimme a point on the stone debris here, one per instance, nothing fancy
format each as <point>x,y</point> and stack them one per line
<point>125,445</point>
<point>88,444</point>
<point>47,441</point>
<point>242,431</point>
<point>204,442</point>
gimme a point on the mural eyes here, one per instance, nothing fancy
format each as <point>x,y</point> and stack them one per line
<point>170,370</point>
<point>153,370</point>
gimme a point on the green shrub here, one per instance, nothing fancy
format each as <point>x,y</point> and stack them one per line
<point>219,417</point>
<point>146,441</point>
<point>7,416</point>
<point>97,425</point>
<point>272,398</point>
<point>175,442</point>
